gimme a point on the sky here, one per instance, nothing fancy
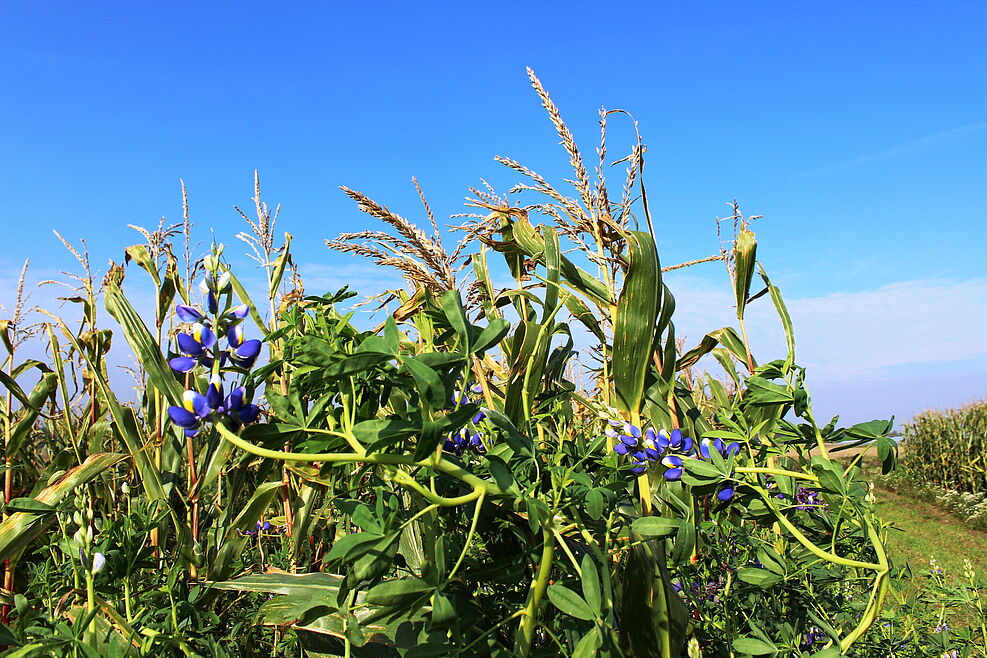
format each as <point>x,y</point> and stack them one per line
<point>857,130</point>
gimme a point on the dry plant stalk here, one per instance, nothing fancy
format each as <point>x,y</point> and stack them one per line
<point>421,259</point>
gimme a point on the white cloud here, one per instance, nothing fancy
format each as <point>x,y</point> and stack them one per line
<point>851,336</point>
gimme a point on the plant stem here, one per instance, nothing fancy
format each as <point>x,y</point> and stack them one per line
<point>526,630</point>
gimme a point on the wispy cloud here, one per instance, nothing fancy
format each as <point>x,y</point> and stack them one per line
<point>906,148</point>
<point>842,337</point>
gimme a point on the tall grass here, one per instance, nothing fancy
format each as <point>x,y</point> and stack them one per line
<point>948,448</point>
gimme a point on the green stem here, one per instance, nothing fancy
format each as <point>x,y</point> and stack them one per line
<point>526,631</point>
<point>469,538</point>
<point>437,464</point>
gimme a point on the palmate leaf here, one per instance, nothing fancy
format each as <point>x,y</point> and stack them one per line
<point>21,528</point>
<point>634,327</point>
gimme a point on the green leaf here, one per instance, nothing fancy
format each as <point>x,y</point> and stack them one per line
<point>655,526</point>
<point>29,505</point>
<point>588,644</point>
<point>786,319</point>
<point>234,541</point>
<point>380,433</point>
<point>744,258</point>
<point>591,584</point>
<point>534,246</point>
<point>594,504</point>
<point>310,584</point>
<point>753,646</point>
<point>763,392</point>
<point>352,546</point>
<point>430,386</point>
<point>452,306</point>
<point>492,334</point>
<point>726,336</point>
<point>569,602</point>
<point>760,577</point>
<point>42,390</point>
<point>145,348</point>
<point>20,529</point>
<point>634,326</point>
<point>395,592</point>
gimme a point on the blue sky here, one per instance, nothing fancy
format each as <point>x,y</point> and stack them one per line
<point>859,130</point>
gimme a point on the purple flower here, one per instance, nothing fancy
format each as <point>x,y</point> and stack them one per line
<point>187,313</point>
<point>237,410</point>
<point>245,355</point>
<point>195,408</point>
<point>463,441</point>
<point>673,466</point>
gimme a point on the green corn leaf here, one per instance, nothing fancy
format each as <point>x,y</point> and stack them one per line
<point>283,259</point>
<point>786,318</point>
<point>580,280</point>
<point>581,312</point>
<point>654,618</point>
<point>126,427</point>
<point>241,292</point>
<point>634,327</point>
<point>744,258</point>
<point>309,584</point>
<point>726,336</point>
<point>41,392</point>
<point>140,255</point>
<point>143,344</point>
<point>233,542</point>
<point>20,529</point>
<point>553,264</point>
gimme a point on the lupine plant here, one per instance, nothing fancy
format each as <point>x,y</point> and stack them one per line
<point>535,468</point>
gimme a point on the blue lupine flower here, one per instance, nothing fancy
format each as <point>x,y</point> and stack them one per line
<point>674,441</point>
<point>195,408</point>
<point>807,499</point>
<point>258,528</point>
<point>707,447</point>
<point>214,393</point>
<point>194,345</point>
<point>463,441</point>
<point>237,410</point>
<point>239,312</point>
<point>717,444</point>
<point>246,353</point>
<point>650,446</point>
<point>673,465</point>
<point>234,336</point>
<point>187,313</point>
<point>811,637</point>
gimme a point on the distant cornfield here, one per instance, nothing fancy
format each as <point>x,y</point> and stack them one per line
<point>949,448</point>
